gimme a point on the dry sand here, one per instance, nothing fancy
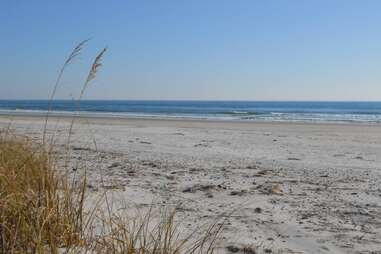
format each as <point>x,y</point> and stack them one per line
<point>295,187</point>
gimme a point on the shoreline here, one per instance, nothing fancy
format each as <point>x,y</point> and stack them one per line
<point>246,111</point>
<point>158,119</point>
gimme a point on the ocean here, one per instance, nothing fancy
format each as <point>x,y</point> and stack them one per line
<point>216,110</point>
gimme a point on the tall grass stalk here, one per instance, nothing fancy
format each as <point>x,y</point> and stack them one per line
<point>97,63</point>
<point>73,55</point>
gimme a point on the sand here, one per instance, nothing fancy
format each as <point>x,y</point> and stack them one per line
<point>293,187</point>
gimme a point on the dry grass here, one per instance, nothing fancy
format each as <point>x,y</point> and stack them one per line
<point>39,211</point>
<point>152,234</point>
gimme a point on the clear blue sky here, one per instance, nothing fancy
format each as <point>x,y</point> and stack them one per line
<point>223,49</point>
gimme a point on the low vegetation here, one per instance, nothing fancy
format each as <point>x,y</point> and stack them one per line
<point>39,211</point>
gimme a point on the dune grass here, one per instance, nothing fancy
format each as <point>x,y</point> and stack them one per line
<point>39,211</point>
<point>153,233</point>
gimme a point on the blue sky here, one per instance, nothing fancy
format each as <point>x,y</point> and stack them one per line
<point>234,50</point>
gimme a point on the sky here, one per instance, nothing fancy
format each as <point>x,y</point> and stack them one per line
<point>194,50</point>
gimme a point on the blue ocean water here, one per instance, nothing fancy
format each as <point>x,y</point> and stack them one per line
<point>224,110</point>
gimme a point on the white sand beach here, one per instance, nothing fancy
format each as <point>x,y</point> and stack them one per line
<point>293,187</point>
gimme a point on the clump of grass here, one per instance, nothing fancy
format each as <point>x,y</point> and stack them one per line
<point>39,211</point>
<point>153,234</point>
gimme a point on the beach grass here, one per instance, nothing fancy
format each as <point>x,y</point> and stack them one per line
<point>39,210</point>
